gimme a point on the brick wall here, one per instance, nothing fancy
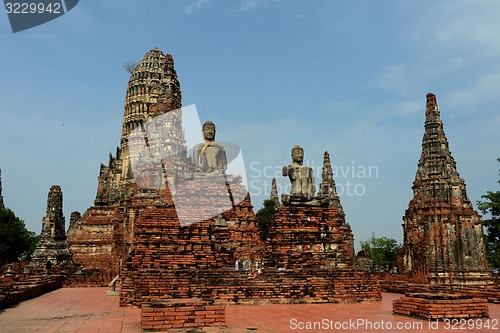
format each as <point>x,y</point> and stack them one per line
<point>224,286</point>
<point>161,315</point>
<point>92,239</point>
<point>13,291</point>
<point>303,236</point>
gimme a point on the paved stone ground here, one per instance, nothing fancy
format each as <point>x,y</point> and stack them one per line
<point>89,310</point>
<point>82,310</point>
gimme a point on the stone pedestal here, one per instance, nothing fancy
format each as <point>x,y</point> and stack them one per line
<point>310,236</point>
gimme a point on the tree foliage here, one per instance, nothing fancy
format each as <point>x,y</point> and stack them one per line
<point>264,217</point>
<point>491,207</point>
<point>382,251</point>
<point>16,242</point>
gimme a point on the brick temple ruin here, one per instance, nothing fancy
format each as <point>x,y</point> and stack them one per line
<point>154,228</point>
<point>443,235</point>
<point>179,233</point>
<point>52,248</point>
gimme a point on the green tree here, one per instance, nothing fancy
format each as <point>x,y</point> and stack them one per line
<point>264,217</point>
<point>491,207</point>
<point>382,251</point>
<point>16,242</point>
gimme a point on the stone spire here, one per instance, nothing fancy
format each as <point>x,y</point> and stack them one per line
<point>327,187</point>
<point>53,224</point>
<point>153,90</point>
<point>2,207</point>
<point>437,176</point>
<point>443,237</point>
<point>52,248</point>
<point>274,192</point>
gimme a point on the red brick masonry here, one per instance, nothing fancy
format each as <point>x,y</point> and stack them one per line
<point>440,306</point>
<point>490,292</point>
<point>225,287</point>
<point>161,315</point>
<point>18,290</point>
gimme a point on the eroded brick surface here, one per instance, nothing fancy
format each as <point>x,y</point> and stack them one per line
<point>161,315</point>
<point>443,236</point>
<point>301,237</point>
<point>52,248</point>
<point>441,306</point>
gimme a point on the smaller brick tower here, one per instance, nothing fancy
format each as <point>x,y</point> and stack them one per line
<point>443,235</point>
<point>52,249</point>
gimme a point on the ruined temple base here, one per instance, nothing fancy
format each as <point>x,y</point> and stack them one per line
<point>229,287</point>
<point>461,279</point>
<point>310,237</point>
<point>441,306</point>
<point>166,314</point>
<point>490,291</point>
<point>49,253</point>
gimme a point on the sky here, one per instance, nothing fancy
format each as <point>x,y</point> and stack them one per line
<point>347,77</point>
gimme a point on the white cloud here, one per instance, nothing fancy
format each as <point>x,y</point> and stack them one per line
<point>342,108</point>
<point>392,75</point>
<point>483,89</point>
<point>408,107</point>
<point>462,26</point>
<point>474,22</point>
<point>246,5</point>
<point>195,6</point>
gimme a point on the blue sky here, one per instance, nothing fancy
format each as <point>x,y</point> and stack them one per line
<point>349,77</point>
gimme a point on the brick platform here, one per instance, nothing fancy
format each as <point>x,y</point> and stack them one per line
<point>21,289</point>
<point>225,286</point>
<point>441,306</point>
<point>312,237</point>
<point>490,292</point>
<point>161,315</point>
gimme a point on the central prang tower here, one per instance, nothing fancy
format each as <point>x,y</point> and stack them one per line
<point>443,236</point>
<point>153,90</point>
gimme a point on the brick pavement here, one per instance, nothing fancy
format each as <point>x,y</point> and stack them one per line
<point>82,310</point>
<point>89,310</point>
<point>291,318</point>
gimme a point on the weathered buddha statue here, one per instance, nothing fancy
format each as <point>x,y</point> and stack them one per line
<point>301,177</point>
<point>209,157</point>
